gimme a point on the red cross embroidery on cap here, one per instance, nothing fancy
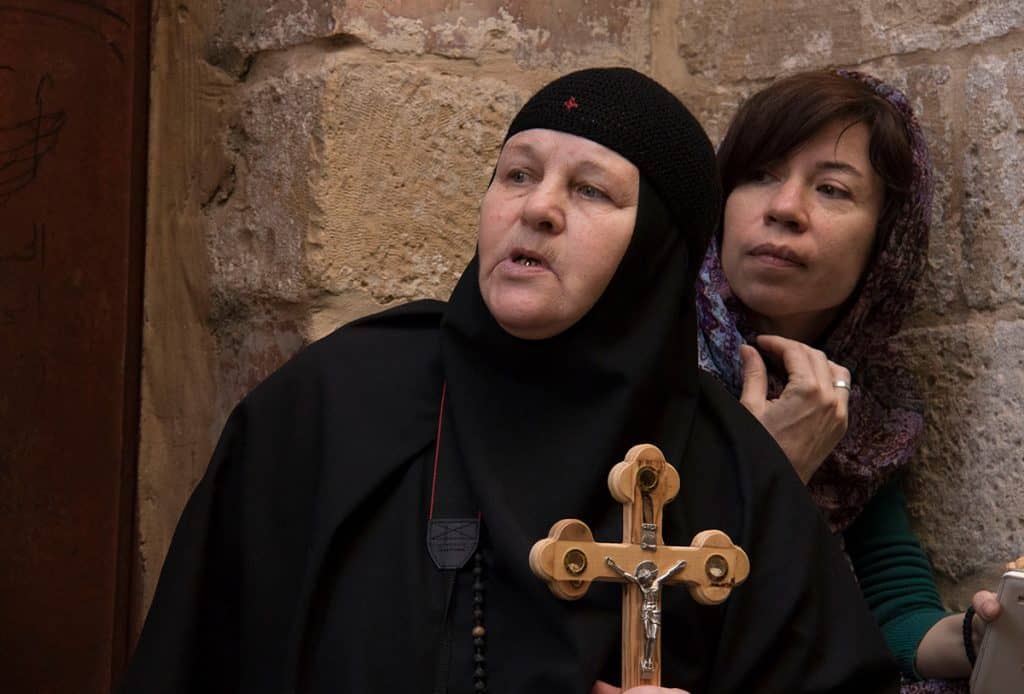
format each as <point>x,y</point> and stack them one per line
<point>570,103</point>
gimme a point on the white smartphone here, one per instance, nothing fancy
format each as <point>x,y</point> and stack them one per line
<point>1000,665</point>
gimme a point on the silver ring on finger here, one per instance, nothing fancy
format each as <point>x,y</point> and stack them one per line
<point>840,383</point>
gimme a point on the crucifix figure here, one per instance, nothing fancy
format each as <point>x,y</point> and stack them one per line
<point>569,559</point>
<point>650,608</point>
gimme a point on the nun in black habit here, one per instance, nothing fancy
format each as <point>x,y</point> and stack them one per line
<point>300,564</point>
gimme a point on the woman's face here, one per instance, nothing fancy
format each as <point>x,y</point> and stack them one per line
<point>554,225</point>
<point>798,234</point>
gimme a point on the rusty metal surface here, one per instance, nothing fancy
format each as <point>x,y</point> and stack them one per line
<point>72,99</point>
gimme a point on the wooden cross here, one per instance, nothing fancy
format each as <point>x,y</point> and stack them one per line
<point>569,559</point>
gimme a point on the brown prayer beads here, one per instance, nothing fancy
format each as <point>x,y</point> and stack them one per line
<point>479,631</point>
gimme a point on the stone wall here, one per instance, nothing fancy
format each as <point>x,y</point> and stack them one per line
<point>314,160</point>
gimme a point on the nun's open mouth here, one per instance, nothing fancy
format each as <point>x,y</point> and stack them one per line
<point>527,258</point>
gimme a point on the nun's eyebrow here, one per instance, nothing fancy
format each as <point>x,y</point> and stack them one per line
<point>521,148</point>
<point>589,167</point>
<point>604,173</point>
<point>528,150</point>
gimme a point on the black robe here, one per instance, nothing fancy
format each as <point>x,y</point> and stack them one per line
<point>299,563</point>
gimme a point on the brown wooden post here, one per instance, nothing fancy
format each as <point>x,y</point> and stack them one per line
<point>73,127</point>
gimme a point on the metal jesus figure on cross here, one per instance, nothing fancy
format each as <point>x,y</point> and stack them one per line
<point>650,607</point>
<point>569,560</point>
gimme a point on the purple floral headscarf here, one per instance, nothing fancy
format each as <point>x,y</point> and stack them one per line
<point>885,409</point>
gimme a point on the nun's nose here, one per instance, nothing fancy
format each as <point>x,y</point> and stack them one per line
<point>544,208</point>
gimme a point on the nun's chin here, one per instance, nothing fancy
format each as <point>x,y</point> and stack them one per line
<point>529,333</point>
<point>530,327</point>
<point>526,317</point>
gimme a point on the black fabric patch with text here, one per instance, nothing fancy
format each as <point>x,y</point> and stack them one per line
<point>452,541</point>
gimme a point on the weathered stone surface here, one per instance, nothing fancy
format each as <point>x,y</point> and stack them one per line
<point>758,40</point>
<point>327,312</point>
<point>899,26</point>
<point>534,34</point>
<point>398,204</point>
<point>715,108</point>
<point>562,34</point>
<point>993,214</point>
<point>966,486</point>
<point>256,217</point>
<point>935,93</point>
<point>246,28</point>
<point>251,343</point>
<point>317,197</point>
<point>751,39</point>
<point>957,594</point>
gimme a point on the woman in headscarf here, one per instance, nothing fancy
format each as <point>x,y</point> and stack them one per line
<point>828,189</point>
<point>303,562</point>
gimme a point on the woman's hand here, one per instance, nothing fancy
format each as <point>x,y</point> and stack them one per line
<point>809,417</point>
<point>986,610</point>
<point>941,654</point>
<point>605,688</point>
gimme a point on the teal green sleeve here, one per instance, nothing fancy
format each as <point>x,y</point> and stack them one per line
<point>895,575</point>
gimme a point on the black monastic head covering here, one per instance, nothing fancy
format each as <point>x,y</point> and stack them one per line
<point>534,426</point>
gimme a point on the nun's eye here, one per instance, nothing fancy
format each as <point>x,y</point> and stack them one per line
<point>589,191</point>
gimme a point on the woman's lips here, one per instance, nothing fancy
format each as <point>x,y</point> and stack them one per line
<point>523,263</point>
<point>776,256</point>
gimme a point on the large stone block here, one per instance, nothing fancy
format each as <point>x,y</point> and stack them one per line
<point>404,157</point>
<point>754,39</point>
<point>966,485</point>
<point>534,34</point>
<point>243,29</point>
<point>901,26</point>
<point>562,34</point>
<point>993,219</point>
<point>344,177</point>
<point>257,215</point>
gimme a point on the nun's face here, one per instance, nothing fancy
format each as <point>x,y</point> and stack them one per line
<point>554,225</point>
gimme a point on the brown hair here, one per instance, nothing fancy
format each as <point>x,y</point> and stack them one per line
<point>776,120</point>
